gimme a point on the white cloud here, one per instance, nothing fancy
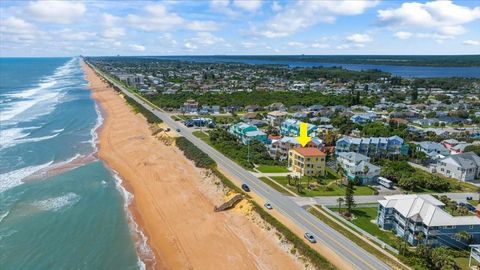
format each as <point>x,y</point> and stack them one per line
<point>61,12</point>
<point>320,45</point>
<point>222,6</point>
<point>296,44</point>
<point>304,13</point>
<point>158,18</point>
<point>113,33</point>
<point>137,47</point>
<point>403,35</point>
<point>205,39</point>
<point>248,44</point>
<point>202,26</point>
<point>248,5</point>
<point>276,7</point>
<point>444,17</point>
<point>189,46</point>
<point>472,42</point>
<point>109,20</point>
<point>359,38</point>
<point>74,35</point>
<point>13,25</point>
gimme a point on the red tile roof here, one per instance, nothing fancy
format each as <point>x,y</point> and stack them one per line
<point>309,151</point>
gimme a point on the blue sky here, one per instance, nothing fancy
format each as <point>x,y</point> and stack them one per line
<point>65,28</point>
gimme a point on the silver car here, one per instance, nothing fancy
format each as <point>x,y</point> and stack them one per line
<point>268,206</point>
<point>310,237</point>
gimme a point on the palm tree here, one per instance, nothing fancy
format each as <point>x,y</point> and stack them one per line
<point>340,200</point>
<point>289,179</point>
<point>464,236</point>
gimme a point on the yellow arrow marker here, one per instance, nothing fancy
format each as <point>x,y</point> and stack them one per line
<point>303,139</point>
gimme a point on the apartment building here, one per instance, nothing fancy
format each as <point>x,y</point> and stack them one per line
<point>291,127</point>
<point>372,146</point>
<point>422,219</point>
<point>306,161</point>
<point>247,133</point>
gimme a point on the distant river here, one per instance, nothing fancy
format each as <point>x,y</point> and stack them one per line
<point>403,71</point>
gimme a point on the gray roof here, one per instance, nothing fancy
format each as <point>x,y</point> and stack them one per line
<point>353,157</point>
<point>467,160</point>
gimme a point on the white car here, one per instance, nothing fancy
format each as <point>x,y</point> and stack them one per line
<point>268,206</point>
<point>310,237</point>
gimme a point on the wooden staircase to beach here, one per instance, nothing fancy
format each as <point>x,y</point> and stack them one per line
<point>229,204</point>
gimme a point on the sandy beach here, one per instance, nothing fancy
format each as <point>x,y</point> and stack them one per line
<point>170,204</point>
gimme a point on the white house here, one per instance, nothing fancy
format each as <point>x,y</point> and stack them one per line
<point>464,167</point>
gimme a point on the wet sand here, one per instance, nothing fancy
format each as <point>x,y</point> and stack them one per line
<point>169,205</point>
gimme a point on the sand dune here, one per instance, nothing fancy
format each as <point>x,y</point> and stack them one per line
<point>169,205</point>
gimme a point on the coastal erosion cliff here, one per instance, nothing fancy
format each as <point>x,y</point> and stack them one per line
<point>169,203</point>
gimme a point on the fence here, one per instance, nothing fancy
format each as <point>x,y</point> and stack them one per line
<point>361,231</point>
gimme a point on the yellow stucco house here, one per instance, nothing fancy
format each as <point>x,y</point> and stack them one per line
<point>306,161</point>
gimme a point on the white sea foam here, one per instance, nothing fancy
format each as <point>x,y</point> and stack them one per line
<point>48,91</point>
<point>57,203</point>
<point>94,130</point>
<point>3,216</point>
<point>14,178</point>
<point>13,142</point>
<point>143,250</point>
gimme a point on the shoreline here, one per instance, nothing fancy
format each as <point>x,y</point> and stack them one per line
<point>168,205</point>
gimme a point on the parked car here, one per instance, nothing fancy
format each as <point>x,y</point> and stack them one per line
<point>470,207</point>
<point>310,238</point>
<point>245,188</point>
<point>268,206</point>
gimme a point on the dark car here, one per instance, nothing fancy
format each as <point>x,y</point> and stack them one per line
<point>310,238</point>
<point>469,198</point>
<point>245,188</point>
<point>470,207</point>
<point>178,130</point>
<point>268,206</point>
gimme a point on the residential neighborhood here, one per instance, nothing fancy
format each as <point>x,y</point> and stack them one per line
<point>365,138</point>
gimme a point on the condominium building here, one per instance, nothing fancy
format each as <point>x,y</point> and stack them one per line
<point>247,133</point>
<point>279,148</point>
<point>291,127</point>
<point>372,146</point>
<point>422,218</point>
<point>306,161</point>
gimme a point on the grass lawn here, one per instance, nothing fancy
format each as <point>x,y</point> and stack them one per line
<point>271,169</point>
<point>273,185</point>
<point>330,189</point>
<point>363,219</point>
<point>357,240</point>
<point>473,202</point>
<point>200,135</point>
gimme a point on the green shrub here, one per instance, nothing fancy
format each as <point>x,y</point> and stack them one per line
<point>151,118</point>
<point>193,153</point>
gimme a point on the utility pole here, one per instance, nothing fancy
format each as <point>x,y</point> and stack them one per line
<point>248,151</point>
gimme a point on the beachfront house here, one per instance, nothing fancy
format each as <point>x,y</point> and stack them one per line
<point>247,133</point>
<point>291,127</point>
<point>372,146</point>
<point>306,161</point>
<point>358,166</point>
<point>410,216</point>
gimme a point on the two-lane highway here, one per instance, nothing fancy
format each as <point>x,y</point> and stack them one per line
<point>348,251</point>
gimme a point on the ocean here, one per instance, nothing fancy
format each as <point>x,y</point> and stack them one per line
<point>60,207</point>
